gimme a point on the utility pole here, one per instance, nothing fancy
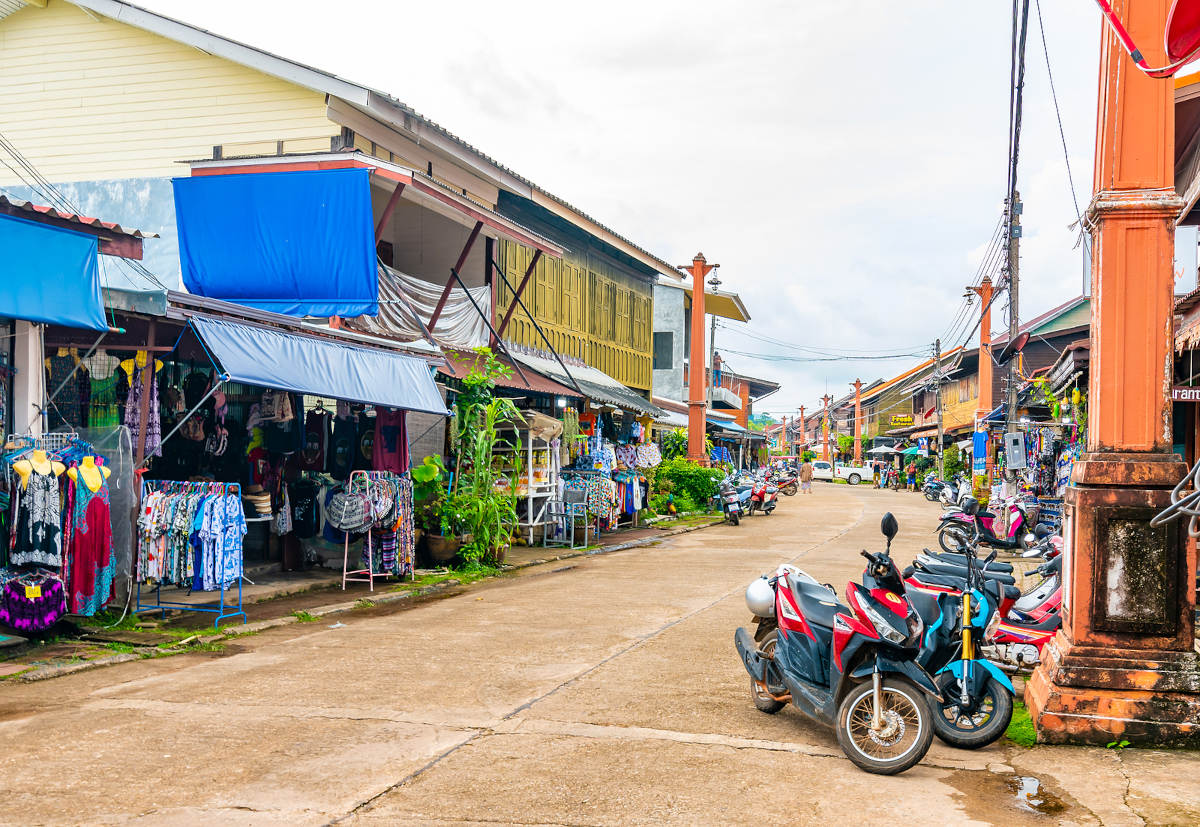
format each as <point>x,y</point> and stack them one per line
<point>697,397</point>
<point>803,429</point>
<point>857,422</point>
<point>937,391</point>
<point>1014,321</point>
<point>825,400</point>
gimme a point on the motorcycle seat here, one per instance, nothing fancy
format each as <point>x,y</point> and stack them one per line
<point>961,571</point>
<point>995,588</point>
<point>1048,625</point>
<point>817,603</point>
<point>985,514</point>
<point>961,560</point>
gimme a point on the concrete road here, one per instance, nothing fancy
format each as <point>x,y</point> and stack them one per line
<point>604,692</point>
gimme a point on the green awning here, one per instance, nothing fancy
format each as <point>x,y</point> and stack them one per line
<point>910,451</point>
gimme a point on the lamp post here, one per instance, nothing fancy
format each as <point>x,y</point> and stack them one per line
<point>857,422</point>
<point>825,400</point>
<point>1123,665</point>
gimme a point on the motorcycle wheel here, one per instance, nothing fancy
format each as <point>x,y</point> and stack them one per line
<point>762,701</point>
<point>907,732</point>
<point>790,490</point>
<point>932,497</point>
<point>952,539</point>
<point>734,518</point>
<point>974,730</point>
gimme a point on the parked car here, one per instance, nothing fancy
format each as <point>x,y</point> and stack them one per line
<point>853,474</point>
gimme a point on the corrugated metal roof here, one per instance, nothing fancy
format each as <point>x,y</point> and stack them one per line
<point>596,384</point>
<point>7,7</point>
<point>463,361</point>
<point>74,218</point>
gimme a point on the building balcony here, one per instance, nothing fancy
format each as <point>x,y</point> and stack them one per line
<point>724,399</point>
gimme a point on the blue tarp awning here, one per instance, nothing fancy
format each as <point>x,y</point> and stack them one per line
<point>727,425</point>
<point>298,243</point>
<point>321,367</point>
<point>49,275</point>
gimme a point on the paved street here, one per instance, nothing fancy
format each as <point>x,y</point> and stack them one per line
<point>602,692</point>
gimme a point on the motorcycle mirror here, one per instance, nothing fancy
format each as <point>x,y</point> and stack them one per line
<point>889,527</point>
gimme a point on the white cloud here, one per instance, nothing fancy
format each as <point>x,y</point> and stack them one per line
<point>844,162</point>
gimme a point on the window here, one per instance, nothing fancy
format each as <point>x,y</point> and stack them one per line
<point>664,346</point>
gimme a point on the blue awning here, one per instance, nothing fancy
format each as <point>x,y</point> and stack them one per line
<point>727,425</point>
<point>49,275</point>
<point>321,367</point>
<point>298,243</point>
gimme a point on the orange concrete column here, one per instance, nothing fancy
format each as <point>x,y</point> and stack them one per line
<point>984,405</point>
<point>858,422</point>
<point>825,400</point>
<point>697,375</point>
<point>803,428</point>
<point>1123,665</point>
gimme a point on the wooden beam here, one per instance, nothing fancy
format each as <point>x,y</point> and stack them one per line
<point>462,259</point>
<point>111,243</point>
<point>537,254</point>
<point>388,210</point>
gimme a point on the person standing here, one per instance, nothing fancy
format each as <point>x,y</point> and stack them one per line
<point>806,477</point>
<point>911,474</point>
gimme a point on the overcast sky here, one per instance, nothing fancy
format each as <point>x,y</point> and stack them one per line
<point>843,161</point>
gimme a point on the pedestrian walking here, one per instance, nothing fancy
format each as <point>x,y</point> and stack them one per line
<point>806,477</point>
<point>911,472</point>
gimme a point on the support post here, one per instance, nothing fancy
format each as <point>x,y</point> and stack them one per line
<point>858,422</point>
<point>489,255</point>
<point>1123,666</point>
<point>454,271</point>
<point>1014,314</point>
<point>697,395</point>
<point>387,212</point>
<point>803,429</point>
<point>937,395</point>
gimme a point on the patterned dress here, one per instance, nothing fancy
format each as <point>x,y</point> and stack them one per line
<point>92,562</point>
<point>39,538</point>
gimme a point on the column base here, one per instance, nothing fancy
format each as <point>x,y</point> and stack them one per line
<point>1092,695</point>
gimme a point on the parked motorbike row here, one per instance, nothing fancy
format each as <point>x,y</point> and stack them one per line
<point>742,494</point>
<point>910,654</point>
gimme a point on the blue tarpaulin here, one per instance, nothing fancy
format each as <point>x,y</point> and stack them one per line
<point>298,243</point>
<point>49,275</point>
<point>320,367</point>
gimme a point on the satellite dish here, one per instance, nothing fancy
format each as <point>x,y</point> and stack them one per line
<point>1181,38</point>
<point>1012,348</point>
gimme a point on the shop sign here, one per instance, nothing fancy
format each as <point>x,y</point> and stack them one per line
<point>979,448</point>
<point>923,446</point>
<point>1185,393</point>
<point>901,420</point>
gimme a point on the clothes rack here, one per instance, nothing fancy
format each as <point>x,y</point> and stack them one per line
<point>223,609</point>
<point>366,480</point>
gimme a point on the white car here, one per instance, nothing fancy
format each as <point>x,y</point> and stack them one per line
<point>853,474</point>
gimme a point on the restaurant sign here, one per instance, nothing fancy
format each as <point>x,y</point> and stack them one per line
<point>900,420</point>
<point>1185,393</point>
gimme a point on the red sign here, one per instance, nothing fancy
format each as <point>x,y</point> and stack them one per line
<point>1184,393</point>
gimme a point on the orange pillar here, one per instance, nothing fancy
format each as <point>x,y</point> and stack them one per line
<point>985,404</point>
<point>1123,667</point>
<point>858,422</point>
<point>697,375</point>
<point>825,400</point>
<point>803,429</point>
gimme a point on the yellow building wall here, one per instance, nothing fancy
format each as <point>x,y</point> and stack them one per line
<point>586,309</point>
<point>91,99</point>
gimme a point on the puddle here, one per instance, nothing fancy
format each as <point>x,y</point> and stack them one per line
<point>1034,797</point>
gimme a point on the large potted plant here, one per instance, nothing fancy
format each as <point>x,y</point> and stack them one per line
<point>436,515</point>
<point>483,499</point>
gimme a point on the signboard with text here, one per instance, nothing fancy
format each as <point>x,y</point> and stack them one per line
<point>900,420</point>
<point>923,447</point>
<point>1185,393</point>
<point>979,447</point>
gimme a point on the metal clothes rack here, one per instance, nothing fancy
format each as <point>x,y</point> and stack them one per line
<point>222,607</point>
<point>356,575</point>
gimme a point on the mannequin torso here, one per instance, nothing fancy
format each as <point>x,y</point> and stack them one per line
<point>38,462</point>
<point>93,475</point>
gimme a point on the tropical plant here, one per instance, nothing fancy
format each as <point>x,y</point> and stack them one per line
<point>483,502</point>
<point>688,481</point>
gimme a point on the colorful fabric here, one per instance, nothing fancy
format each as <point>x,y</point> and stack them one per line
<point>92,564</point>
<point>39,536</point>
<point>648,456</point>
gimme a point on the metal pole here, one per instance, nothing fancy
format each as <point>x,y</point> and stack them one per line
<point>517,300</point>
<point>712,357</point>
<point>195,408</point>
<point>454,275</point>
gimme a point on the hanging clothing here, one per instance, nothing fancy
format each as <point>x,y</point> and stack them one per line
<point>364,456</point>
<point>318,433</point>
<point>92,564</point>
<point>38,538</point>
<point>133,412</point>
<point>345,444</point>
<point>65,407</point>
<point>390,448</point>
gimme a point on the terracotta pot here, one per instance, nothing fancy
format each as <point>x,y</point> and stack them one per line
<point>442,549</point>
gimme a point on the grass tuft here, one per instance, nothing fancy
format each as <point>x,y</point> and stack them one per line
<point>304,617</point>
<point>1020,729</point>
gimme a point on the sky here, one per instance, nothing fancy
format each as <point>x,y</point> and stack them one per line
<point>844,162</point>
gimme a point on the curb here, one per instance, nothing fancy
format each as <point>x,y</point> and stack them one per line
<point>347,606</point>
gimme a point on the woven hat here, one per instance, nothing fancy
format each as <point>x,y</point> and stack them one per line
<point>349,511</point>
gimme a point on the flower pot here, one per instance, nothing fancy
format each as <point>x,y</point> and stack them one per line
<point>442,549</point>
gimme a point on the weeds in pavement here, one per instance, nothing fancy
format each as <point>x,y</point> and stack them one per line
<point>120,648</point>
<point>304,617</point>
<point>1020,728</point>
<point>364,603</point>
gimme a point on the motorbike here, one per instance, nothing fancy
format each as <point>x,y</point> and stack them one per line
<point>731,504</point>
<point>851,667</point>
<point>788,483</point>
<point>956,526</point>
<point>977,696</point>
<point>932,488</point>
<point>763,496</point>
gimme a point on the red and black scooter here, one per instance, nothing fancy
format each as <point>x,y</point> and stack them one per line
<point>764,496</point>
<point>851,667</point>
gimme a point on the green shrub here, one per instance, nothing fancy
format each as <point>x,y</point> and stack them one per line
<point>685,479</point>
